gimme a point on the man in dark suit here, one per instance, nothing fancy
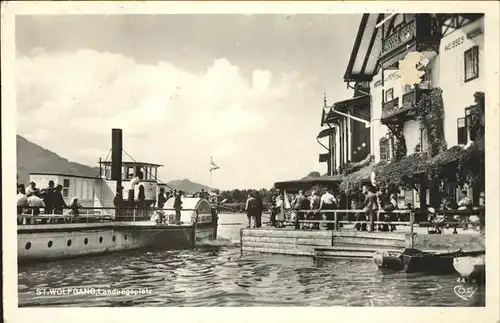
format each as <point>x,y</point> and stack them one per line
<point>370,205</point>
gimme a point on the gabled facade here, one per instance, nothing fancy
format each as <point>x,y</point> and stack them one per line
<point>450,48</point>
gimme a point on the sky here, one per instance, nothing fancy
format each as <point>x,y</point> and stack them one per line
<point>246,90</point>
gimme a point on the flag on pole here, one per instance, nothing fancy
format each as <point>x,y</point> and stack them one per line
<point>213,166</point>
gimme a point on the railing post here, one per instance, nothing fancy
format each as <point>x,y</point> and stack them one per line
<point>412,218</point>
<point>336,219</point>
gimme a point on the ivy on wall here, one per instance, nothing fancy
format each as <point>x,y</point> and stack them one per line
<point>400,149</point>
<point>430,113</point>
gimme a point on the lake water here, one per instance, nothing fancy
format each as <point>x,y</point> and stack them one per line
<point>217,275</point>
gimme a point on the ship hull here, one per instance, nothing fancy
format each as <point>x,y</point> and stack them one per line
<point>50,242</point>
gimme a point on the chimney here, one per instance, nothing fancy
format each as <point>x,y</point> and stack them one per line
<point>116,157</point>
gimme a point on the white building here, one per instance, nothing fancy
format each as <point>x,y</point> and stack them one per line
<point>452,47</point>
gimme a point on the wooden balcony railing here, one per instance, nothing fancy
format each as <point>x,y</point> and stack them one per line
<point>390,108</point>
<point>411,98</point>
<point>404,34</point>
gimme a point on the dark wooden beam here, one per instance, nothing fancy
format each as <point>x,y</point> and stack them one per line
<point>357,43</point>
<point>370,46</point>
<point>390,27</point>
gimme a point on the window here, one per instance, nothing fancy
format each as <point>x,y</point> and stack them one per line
<point>384,148</point>
<point>407,88</point>
<point>65,187</point>
<point>389,95</point>
<point>90,192</point>
<point>391,146</point>
<point>461,131</point>
<point>471,62</point>
<point>424,143</point>
<point>85,190</point>
<point>78,188</point>
<point>472,128</point>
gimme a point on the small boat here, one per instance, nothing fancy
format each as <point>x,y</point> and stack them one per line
<point>388,260</point>
<point>471,268</point>
<point>415,260</point>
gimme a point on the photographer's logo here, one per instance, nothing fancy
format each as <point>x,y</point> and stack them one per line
<point>465,292</point>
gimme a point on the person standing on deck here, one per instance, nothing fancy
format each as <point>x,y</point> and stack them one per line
<point>301,203</point>
<point>328,202</point>
<point>22,202</point>
<point>58,202</point>
<point>178,206</point>
<point>32,189</point>
<point>161,198</point>
<point>251,208</point>
<point>48,198</point>
<point>370,205</point>
<point>35,203</point>
<point>315,205</point>
<point>260,210</point>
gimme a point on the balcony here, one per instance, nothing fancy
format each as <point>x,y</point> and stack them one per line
<point>421,34</point>
<point>396,111</point>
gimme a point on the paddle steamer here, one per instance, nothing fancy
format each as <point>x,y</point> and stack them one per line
<point>107,222</point>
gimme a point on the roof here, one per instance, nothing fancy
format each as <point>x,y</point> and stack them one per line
<point>325,133</point>
<point>358,177</point>
<point>342,106</point>
<point>129,163</point>
<point>65,175</point>
<point>308,182</point>
<point>363,62</point>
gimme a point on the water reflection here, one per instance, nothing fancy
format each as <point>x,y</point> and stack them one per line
<point>218,275</point>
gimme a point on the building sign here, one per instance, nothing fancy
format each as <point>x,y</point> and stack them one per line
<point>474,33</point>
<point>457,42</point>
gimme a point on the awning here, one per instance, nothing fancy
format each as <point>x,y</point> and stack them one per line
<point>307,183</point>
<point>359,101</point>
<point>325,133</point>
<point>363,62</point>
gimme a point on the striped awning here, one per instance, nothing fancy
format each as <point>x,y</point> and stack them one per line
<point>366,51</point>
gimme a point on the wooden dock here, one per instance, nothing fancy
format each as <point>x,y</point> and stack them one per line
<point>322,243</point>
<point>349,243</point>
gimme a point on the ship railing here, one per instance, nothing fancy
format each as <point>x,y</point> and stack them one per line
<point>38,215</point>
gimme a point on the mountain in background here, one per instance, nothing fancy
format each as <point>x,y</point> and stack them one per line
<point>187,186</point>
<point>33,158</point>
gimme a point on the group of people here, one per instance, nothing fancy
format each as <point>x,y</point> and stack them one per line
<point>32,199</point>
<point>371,200</point>
<point>306,207</point>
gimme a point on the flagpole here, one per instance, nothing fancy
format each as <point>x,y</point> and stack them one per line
<point>210,180</point>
